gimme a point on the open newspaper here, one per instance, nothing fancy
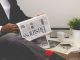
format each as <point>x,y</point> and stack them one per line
<point>65,47</point>
<point>35,27</point>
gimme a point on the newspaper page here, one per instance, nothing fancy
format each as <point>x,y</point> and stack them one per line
<point>42,42</point>
<point>64,47</point>
<point>35,27</point>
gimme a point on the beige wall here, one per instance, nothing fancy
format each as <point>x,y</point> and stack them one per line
<point>59,11</point>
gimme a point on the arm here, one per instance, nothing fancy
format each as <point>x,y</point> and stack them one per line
<point>17,13</point>
<point>16,16</point>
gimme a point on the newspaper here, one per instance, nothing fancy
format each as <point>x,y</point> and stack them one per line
<point>42,42</point>
<point>65,47</point>
<point>35,27</point>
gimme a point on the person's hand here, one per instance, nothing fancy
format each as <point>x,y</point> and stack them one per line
<point>9,28</point>
<point>40,13</point>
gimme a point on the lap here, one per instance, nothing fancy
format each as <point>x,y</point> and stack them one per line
<point>17,45</point>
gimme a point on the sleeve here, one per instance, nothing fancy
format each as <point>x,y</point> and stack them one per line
<point>20,14</point>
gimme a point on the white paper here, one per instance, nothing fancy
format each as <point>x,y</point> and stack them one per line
<point>42,42</point>
<point>65,47</point>
<point>35,27</point>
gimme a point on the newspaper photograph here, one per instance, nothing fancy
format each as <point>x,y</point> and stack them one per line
<point>35,27</point>
<point>53,43</point>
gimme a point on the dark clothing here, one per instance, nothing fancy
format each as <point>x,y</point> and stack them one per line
<point>16,15</point>
<point>12,46</point>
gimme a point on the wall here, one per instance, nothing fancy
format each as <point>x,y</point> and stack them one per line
<point>59,12</point>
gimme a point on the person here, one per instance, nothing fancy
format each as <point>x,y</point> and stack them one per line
<point>12,46</point>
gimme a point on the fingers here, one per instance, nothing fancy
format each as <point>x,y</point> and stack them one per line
<point>10,28</point>
<point>15,29</point>
<point>13,25</point>
<point>40,13</point>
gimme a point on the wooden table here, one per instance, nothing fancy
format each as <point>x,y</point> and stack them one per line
<point>71,56</point>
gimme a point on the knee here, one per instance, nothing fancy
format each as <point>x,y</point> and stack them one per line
<point>10,34</point>
<point>9,37</point>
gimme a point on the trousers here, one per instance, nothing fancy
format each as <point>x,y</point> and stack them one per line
<point>13,47</point>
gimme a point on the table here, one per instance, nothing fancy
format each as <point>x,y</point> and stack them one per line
<point>71,56</point>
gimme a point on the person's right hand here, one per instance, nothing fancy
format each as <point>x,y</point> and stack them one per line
<point>9,28</point>
<point>39,13</point>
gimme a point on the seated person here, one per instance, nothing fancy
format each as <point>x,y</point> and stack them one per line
<point>12,46</point>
